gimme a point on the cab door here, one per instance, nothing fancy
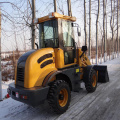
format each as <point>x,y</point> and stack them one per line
<point>68,42</point>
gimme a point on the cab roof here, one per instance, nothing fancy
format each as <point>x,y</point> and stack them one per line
<point>55,15</point>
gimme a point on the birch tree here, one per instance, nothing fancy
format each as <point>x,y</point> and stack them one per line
<point>97,32</point>
<point>85,27</point>
<point>89,52</point>
<point>117,28</point>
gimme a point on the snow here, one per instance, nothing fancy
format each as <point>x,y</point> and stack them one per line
<point>6,62</point>
<point>7,106</point>
<point>14,110</point>
<point>7,70</point>
<point>107,99</point>
<point>5,86</point>
<point>101,60</point>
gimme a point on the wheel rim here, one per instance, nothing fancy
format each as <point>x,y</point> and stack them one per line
<point>63,97</point>
<point>94,80</point>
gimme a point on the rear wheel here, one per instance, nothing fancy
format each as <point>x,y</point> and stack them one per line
<point>59,96</point>
<point>91,84</point>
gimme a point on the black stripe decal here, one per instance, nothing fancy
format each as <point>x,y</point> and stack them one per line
<point>44,57</point>
<point>46,63</point>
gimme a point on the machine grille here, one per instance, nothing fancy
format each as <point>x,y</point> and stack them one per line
<point>20,74</point>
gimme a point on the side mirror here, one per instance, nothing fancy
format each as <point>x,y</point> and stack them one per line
<point>84,48</point>
<point>79,31</point>
<point>36,45</point>
<point>78,28</point>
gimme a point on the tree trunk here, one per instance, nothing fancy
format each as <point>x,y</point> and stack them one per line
<point>97,32</point>
<point>55,6</point>
<point>85,22</point>
<point>69,8</point>
<point>104,37</point>
<point>89,52</point>
<point>117,28</point>
<point>0,61</point>
<point>33,25</point>
<point>106,33</point>
<point>111,25</point>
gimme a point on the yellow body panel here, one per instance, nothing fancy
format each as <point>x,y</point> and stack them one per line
<point>55,15</point>
<point>59,59</point>
<point>83,61</point>
<point>34,74</point>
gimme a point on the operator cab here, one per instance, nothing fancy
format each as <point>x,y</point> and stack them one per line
<point>55,36</point>
<point>56,31</point>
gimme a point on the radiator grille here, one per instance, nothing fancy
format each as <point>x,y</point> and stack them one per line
<point>20,74</point>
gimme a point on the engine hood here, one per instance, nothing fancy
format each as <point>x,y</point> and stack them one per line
<point>24,57</point>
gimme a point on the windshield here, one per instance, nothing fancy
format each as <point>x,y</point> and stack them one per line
<point>48,32</point>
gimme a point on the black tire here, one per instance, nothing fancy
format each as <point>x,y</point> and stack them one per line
<point>58,101</point>
<point>91,84</point>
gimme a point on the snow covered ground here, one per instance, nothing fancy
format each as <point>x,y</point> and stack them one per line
<point>5,86</point>
<point>103,104</point>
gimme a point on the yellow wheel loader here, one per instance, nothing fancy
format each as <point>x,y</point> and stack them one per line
<point>56,68</point>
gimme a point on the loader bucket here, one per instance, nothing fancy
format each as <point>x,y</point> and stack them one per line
<point>103,76</point>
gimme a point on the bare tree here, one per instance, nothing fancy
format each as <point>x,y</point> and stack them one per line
<point>97,32</point>
<point>89,52</point>
<point>111,25</point>
<point>106,32</point>
<point>85,27</point>
<point>117,28</point>
<point>0,61</point>
<point>21,21</point>
<point>55,6</point>
<point>33,24</point>
<point>104,36</point>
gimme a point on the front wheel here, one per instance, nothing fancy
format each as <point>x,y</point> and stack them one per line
<point>59,96</point>
<point>91,84</point>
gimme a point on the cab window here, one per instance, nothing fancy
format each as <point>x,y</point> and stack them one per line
<point>67,34</point>
<point>48,32</point>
